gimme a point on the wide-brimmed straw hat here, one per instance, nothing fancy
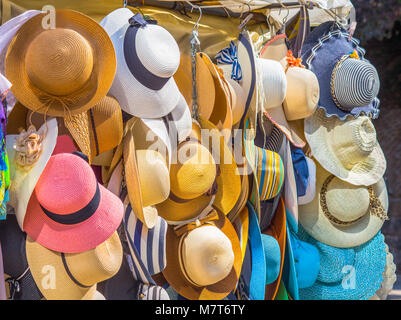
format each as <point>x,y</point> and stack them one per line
<point>227,184</point>
<point>66,276</point>
<point>147,58</point>
<point>74,82</point>
<point>349,84</point>
<point>346,274</point>
<point>28,154</point>
<point>344,215</point>
<point>278,230</point>
<point>191,270</point>
<point>347,149</point>
<point>69,211</point>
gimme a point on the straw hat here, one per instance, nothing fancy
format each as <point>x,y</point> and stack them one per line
<point>147,58</point>
<point>69,211</point>
<point>146,177</point>
<point>203,258</point>
<point>274,81</point>
<point>205,86</point>
<point>66,276</point>
<point>349,149</point>
<point>71,83</point>
<point>344,215</point>
<point>349,83</point>
<point>347,274</point>
<point>276,49</point>
<point>178,209</point>
<point>278,230</point>
<point>28,154</point>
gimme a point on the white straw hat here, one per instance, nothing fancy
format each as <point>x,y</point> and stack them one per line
<point>147,58</point>
<point>344,215</point>
<point>349,149</point>
<point>27,164</point>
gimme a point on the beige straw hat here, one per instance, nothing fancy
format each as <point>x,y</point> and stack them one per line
<point>73,276</point>
<point>28,154</point>
<point>203,258</point>
<point>344,215</point>
<point>349,149</point>
<point>67,77</point>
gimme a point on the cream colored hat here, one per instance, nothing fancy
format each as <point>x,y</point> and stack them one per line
<point>344,215</point>
<point>302,93</point>
<point>28,154</point>
<point>349,149</point>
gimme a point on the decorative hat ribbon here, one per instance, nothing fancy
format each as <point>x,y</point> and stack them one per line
<point>180,230</point>
<point>292,61</point>
<point>230,56</point>
<point>28,147</point>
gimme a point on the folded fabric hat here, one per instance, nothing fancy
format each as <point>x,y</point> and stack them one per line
<point>28,154</point>
<point>20,284</point>
<point>69,211</point>
<point>278,230</point>
<point>73,276</point>
<point>226,178</point>
<point>147,58</point>
<point>190,269</point>
<point>69,84</point>
<point>349,84</point>
<point>349,149</point>
<point>347,274</point>
<point>311,183</point>
<point>344,215</point>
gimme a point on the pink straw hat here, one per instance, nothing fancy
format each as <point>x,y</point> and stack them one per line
<point>69,211</point>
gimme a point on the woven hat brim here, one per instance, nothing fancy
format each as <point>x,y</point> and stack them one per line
<point>93,91</point>
<point>315,222</point>
<point>68,238</point>
<point>177,280</point>
<point>65,289</point>
<point>23,182</point>
<point>318,132</point>
<point>278,230</point>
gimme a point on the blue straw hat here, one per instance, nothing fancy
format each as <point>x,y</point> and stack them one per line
<point>349,84</point>
<point>346,274</point>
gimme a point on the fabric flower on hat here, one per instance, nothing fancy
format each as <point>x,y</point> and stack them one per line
<point>28,146</point>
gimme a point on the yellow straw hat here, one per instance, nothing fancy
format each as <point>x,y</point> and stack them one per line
<point>67,77</point>
<point>73,276</point>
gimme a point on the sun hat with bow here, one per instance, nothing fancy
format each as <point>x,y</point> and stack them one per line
<point>346,274</point>
<point>147,59</point>
<point>69,211</point>
<point>71,83</point>
<point>18,277</point>
<point>73,276</point>
<point>347,149</point>
<point>349,83</point>
<point>344,215</point>
<point>28,154</point>
<point>190,269</point>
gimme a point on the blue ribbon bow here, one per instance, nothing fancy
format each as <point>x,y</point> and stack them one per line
<point>229,56</point>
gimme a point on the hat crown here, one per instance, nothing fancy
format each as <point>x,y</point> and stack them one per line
<point>354,140</point>
<point>340,200</point>
<point>101,263</point>
<point>356,83</point>
<point>64,66</point>
<point>157,50</point>
<point>274,82</point>
<point>207,255</point>
<point>71,182</point>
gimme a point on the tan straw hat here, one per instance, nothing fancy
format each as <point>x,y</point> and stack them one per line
<point>349,149</point>
<point>203,258</point>
<point>67,77</point>
<point>66,276</point>
<point>344,215</point>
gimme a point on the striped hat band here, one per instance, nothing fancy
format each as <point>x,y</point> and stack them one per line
<point>354,83</point>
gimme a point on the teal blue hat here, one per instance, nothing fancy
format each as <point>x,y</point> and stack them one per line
<point>272,258</point>
<point>346,274</point>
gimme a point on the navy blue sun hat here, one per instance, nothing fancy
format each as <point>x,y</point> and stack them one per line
<point>346,274</point>
<point>348,82</point>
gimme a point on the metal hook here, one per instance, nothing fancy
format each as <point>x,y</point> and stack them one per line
<point>125,3</point>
